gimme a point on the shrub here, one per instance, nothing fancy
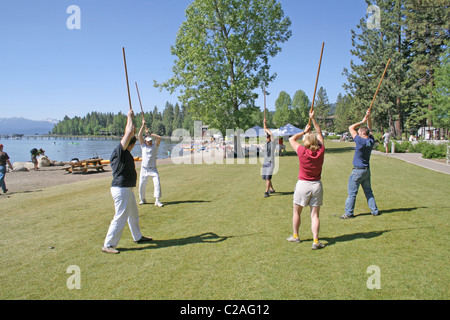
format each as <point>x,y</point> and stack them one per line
<point>433,151</point>
<point>429,150</point>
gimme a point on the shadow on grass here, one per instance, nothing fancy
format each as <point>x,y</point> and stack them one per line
<point>19,192</point>
<point>169,203</point>
<point>282,193</point>
<point>360,235</point>
<point>208,237</point>
<point>393,210</point>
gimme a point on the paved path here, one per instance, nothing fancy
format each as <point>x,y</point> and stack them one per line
<point>416,158</point>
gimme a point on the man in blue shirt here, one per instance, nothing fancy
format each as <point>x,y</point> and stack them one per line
<point>360,175</point>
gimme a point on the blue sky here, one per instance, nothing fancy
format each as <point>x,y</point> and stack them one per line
<point>49,71</point>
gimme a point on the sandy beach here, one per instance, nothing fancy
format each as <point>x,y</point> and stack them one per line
<point>26,181</point>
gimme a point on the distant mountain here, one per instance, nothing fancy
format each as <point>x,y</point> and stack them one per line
<point>25,126</point>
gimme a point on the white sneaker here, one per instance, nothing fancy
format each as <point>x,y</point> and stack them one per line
<point>142,202</point>
<point>158,204</point>
<point>292,239</point>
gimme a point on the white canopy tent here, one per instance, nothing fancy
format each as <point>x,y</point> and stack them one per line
<point>255,131</point>
<point>286,131</point>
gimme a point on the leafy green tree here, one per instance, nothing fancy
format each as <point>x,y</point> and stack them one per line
<point>300,109</point>
<point>283,105</point>
<point>222,56</point>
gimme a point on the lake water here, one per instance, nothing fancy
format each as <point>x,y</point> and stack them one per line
<point>68,148</point>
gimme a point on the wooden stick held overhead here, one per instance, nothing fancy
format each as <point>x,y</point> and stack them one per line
<point>373,100</point>
<point>140,103</point>
<point>126,75</point>
<point>264,89</point>
<point>317,80</point>
<point>139,96</point>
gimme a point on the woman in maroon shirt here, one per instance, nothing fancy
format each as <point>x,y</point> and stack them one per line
<point>308,190</point>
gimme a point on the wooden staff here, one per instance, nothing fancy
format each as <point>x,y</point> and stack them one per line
<point>140,103</point>
<point>137,89</point>
<point>373,100</point>
<point>264,89</point>
<point>126,75</point>
<point>317,80</point>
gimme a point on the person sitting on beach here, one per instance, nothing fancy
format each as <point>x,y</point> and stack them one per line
<point>4,159</point>
<point>34,154</point>
<point>122,191</point>
<point>308,190</point>
<point>148,166</point>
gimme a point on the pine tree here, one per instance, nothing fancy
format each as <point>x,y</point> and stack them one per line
<point>321,107</point>
<point>374,47</point>
<point>428,26</point>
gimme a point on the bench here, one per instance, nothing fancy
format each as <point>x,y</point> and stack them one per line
<point>85,165</point>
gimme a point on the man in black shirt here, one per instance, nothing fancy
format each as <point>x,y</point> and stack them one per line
<point>122,190</point>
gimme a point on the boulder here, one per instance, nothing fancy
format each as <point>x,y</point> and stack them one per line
<point>22,166</point>
<point>44,162</point>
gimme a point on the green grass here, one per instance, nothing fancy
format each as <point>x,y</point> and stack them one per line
<point>218,238</point>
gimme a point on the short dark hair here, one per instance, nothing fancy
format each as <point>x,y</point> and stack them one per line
<point>365,130</point>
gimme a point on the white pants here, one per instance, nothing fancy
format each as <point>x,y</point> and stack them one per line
<point>126,211</point>
<point>145,174</point>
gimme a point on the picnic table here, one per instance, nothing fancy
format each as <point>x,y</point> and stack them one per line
<point>85,166</point>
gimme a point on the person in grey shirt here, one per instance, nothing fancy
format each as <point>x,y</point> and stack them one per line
<point>269,161</point>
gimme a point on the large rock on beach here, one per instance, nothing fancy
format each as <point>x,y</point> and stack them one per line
<point>44,162</point>
<point>22,166</point>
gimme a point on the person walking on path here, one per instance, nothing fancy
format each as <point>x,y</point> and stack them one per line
<point>360,175</point>
<point>308,190</point>
<point>122,191</point>
<point>386,138</point>
<point>269,161</point>
<point>4,160</point>
<point>149,146</point>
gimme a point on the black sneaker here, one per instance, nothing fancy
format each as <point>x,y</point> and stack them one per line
<point>346,216</point>
<point>144,240</point>
<point>266,194</point>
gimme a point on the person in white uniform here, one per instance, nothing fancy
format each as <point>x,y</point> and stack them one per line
<point>149,146</point>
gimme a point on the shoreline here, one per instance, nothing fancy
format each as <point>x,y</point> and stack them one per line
<point>29,181</point>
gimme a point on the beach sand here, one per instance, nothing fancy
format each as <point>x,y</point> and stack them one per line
<point>27,181</point>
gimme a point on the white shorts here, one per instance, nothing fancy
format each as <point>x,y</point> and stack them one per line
<point>308,193</point>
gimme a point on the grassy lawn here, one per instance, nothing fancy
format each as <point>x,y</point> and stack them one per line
<point>217,237</point>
